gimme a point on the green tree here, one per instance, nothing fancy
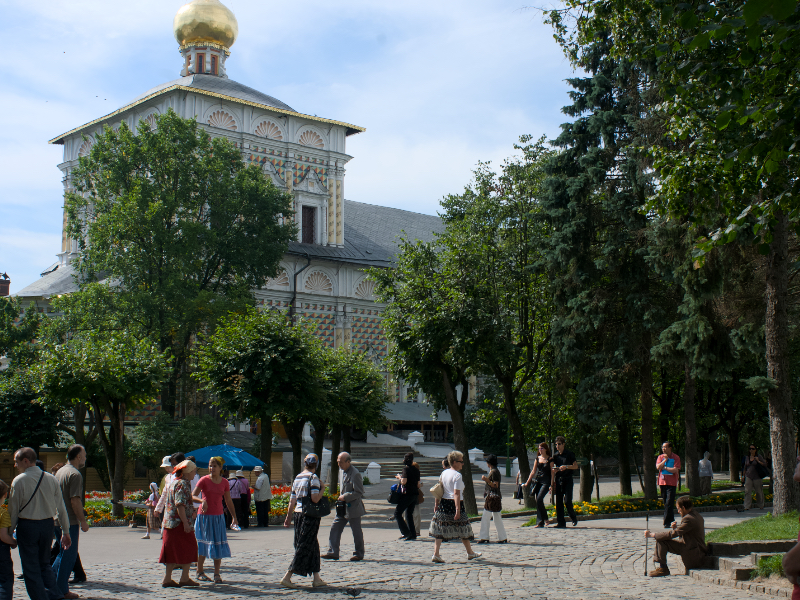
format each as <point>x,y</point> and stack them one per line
<point>113,372</point>
<point>179,225</point>
<point>260,367</point>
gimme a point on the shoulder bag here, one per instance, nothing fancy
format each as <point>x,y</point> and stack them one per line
<point>317,510</point>
<point>437,491</point>
<point>36,489</point>
<point>395,494</point>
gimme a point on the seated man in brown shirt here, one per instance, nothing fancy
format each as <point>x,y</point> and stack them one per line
<point>692,545</point>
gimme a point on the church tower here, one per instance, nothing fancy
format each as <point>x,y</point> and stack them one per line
<point>205,30</point>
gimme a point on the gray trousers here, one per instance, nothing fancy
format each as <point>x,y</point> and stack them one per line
<point>336,535</point>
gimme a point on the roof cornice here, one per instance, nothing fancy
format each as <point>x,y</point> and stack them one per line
<point>351,129</point>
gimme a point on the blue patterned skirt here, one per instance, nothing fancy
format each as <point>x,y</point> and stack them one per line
<point>212,541</point>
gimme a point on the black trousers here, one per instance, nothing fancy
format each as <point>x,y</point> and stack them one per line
<point>540,489</point>
<point>406,521</point>
<point>563,492</point>
<point>34,539</point>
<point>668,496</point>
<point>262,513</point>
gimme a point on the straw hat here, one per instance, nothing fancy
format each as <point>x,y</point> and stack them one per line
<point>240,473</point>
<point>186,465</point>
<point>257,469</point>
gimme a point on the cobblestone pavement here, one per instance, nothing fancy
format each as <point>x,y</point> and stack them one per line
<point>547,564</point>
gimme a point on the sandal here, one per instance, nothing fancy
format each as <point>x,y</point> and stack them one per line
<point>202,576</point>
<point>217,579</point>
<point>170,583</point>
<point>189,583</point>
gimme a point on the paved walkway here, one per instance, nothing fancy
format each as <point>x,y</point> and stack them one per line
<point>603,561</point>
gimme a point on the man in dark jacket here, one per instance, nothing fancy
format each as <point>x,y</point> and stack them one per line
<point>692,545</point>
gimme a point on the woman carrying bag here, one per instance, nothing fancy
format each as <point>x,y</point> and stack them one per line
<point>493,504</point>
<point>306,492</point>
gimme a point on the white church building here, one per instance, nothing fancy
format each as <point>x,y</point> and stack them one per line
<point>323,271</point>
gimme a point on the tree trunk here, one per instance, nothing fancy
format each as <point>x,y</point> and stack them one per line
<point>336,434</point>
<point>294,432</point>
<point>266,443</point>
<point>733,454</point>
<point>623,443</point>
<point>517,437</point>
<point>691,459</point>
<point>781,431</point>
<point>587,480</point>
<point>459,437</point>
<point>118,475</point>
<point>320,431</point>
<point>347,439</point>
<point>646,396</point>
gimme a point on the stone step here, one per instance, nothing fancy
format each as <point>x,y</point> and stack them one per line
<point>738,568</point>
<point>755,557</point>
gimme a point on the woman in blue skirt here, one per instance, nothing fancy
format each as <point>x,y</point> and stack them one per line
<point>209,529</point>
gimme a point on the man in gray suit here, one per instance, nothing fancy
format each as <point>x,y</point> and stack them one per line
<point>352,492</point>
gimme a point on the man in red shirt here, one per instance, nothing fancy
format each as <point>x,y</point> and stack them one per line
<point>668,465</point>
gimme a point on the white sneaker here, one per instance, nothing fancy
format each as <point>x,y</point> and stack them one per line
<point>476,555</point>
<point>146,537</point>
<point>437,559</point>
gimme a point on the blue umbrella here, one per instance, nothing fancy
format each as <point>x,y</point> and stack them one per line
<point>235,458</point>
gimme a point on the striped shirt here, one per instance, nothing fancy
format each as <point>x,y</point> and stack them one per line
<point>304,485</point>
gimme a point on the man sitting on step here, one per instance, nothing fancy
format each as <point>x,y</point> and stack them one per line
<point>692,545</point>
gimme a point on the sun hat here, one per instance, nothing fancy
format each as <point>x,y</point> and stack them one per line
<point>165,461</point>
<point>239,473</point>
<point>258,469</point>
<point>186,465</point>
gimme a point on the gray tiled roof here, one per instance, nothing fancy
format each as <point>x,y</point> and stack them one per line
<point>371,234</point>
<point>221,85</point>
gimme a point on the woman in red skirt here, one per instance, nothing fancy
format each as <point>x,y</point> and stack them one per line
<point>179,546</point>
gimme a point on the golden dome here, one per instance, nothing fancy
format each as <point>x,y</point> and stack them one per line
<point>206,21</point>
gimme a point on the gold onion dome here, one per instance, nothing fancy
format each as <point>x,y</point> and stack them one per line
<point>205,21</point>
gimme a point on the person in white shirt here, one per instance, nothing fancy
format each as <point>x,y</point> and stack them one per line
<point>706,474</point>
<point>175,459</point>
<point>262,497</point>
<point>450,520</point>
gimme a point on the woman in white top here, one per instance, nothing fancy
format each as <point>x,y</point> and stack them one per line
<point>450,520</point>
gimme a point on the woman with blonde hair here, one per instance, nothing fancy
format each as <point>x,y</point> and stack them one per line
<point>179,546</point>
<point>450,520</point>
<point>305,488</point>
<point>212,541</point>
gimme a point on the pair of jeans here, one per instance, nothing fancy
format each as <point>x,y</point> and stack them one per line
<point>406,521</point>
<point>539,491</point>
<point>77,568</point>
<point>33,540</point>
<point>65,561</point>
<point>262,513</point>
<point>6,572</point>
<point>668,496</point>
<point>563,492</point>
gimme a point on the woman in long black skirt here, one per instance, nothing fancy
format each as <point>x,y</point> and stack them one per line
<point>306,487</point>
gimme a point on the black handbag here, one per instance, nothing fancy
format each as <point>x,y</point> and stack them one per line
<point>341,509</point>
<point>395,495</point>
<point>316,510</point>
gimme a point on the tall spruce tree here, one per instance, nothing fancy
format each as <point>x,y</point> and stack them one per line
<point>608,302</point>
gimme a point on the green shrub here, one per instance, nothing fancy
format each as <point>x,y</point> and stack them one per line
<point>366,480</point>
<point>768,565</point>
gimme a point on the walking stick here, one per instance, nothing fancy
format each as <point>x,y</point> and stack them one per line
<point>646,541</point>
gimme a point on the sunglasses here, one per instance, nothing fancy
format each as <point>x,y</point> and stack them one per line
<point>458,461</point>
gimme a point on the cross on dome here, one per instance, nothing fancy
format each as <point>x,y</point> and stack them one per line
<point>205,30</point>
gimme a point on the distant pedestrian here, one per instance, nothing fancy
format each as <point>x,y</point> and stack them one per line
<point>421,496</point>
<point>755,468</point>
<point>542,478</point>
<point>211,492</point>
<point>262,497</point>
<point>174,460</point>
<point>35,500</point>
<point>492,504</point>
<point>167,466</point>
<point>306,561</point>
<point>151,502</point>
<point>349,509</point>
<point>450,521</point>
<point>241,499</point>
<point>518,494</point>
<point>71,481</point>
<point>668,465</point>
<point>564,463</point>
<point>706,471</point>
<point>179,546</point>
<point>404,513</point>
<point>7,544</point>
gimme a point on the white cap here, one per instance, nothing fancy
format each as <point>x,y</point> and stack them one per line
<point>258,469</point>
<point>165,461</point>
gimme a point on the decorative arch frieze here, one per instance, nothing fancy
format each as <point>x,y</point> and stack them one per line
<point>282,280</point>
<point>364,289</point>
<point>222,119</point>
<point>268,129</point>
<point>311,138</point>
<point>318,283</point>
<point>86,147</point>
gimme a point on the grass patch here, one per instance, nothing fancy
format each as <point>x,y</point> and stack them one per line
<point>767,527</point>
<point>767,566</point>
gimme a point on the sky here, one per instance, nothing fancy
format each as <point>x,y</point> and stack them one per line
<point>439,86</point>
